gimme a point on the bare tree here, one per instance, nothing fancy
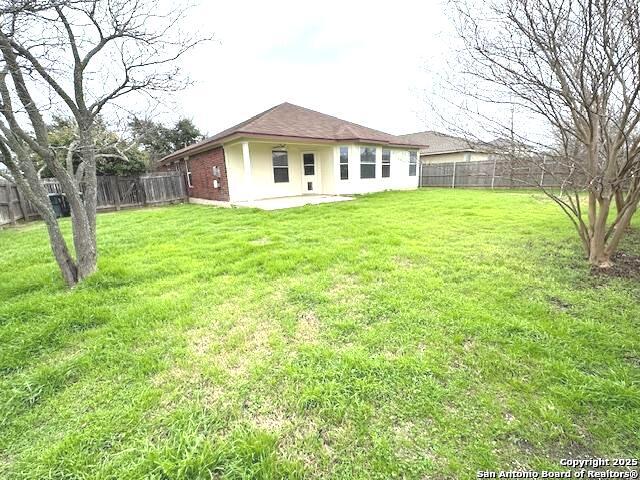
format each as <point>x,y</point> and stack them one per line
<point>79,57</point>
<point>574,66</point>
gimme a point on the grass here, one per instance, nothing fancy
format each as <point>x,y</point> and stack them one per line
<point>425,334</point>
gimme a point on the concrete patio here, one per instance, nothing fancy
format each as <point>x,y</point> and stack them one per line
<point>291,202</point>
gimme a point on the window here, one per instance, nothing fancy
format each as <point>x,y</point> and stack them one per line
<point>367,162</point>
<point>413,163</point>
<point>344,163</point>
<point>386,163</point>
<point>189,176</point>
<point>216,175</point>
<point>467,157</point>
<point>309,163</point>
<point>280,166</point>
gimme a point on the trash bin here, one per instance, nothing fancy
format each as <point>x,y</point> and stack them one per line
<point>60,204</point>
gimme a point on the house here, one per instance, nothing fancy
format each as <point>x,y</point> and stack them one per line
<point>443,148</point>
<point>289,151</point>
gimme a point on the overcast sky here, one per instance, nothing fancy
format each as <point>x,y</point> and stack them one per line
<point>367,62</point>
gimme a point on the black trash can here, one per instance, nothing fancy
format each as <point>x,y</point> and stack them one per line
<point>60,204</point>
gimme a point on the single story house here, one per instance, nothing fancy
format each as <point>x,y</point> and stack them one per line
<point>443,148</point>
<point>290,151</point>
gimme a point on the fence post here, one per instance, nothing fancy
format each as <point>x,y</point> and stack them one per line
<point>12,217</point>
<point>116,191</point>
<point>493,175</point>
<point>22,206</point>
<point>453,177</point>
<point>142,189</point>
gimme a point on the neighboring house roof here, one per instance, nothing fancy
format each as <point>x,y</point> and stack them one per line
<point>291,121</point>
<point>507,144</point>
<point>442,143</point>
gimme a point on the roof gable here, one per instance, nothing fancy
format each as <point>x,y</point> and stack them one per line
<point>288,120</point>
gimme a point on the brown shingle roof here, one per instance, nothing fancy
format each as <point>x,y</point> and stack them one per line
<point>442,143</point>
<point>288,120</point>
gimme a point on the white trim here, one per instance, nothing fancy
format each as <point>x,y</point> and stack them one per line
<point>188,172</point>
<point>382,164</point>
<point>377,165</point>
<point>316,173</point>
<point>274,167</point>
<point>339,165</point>
<point>411,164</point>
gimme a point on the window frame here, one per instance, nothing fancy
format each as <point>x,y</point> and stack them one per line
<point>386,164</point>
<point>368,163</point>
<point>281,167</point>
<point>343,165</point>
<point>304,167</point>
<point>215,172</point>
<point>413,163</point>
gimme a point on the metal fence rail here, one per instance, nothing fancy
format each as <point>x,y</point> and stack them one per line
<point>113,193</point>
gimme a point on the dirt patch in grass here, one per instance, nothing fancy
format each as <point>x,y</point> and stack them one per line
<point>301,436</point>
<point>308,327</point>
<point>632,359</point>
<point>181,383</point>
<point>260,241</point>
<point>404,262</point>
<point>625,265</point>
<point>346,290</point>
<point>559,304</point>
<point>343,283</point>
<point>272,422</point>
<point>235,350</point>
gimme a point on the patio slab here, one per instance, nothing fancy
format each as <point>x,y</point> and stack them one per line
<point>291,202</point>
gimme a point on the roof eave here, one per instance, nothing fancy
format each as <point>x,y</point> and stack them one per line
<point>208,145</point>
<point>459,150</point>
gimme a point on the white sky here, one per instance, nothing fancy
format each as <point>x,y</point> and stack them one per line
<point>367,62</point>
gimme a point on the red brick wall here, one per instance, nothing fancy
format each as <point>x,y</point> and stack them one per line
<point>201,166</point>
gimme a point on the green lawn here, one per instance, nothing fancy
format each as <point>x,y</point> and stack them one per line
<point>424,334</point>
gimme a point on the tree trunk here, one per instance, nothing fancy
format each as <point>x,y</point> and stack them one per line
<point>84,215</point>
<point>597,232</point>
<point>60,251</point>
<point>599,256</point>
<point>84,243</point>
<point>88,152</point>
<point>602,245</point>
<point>624,223</point>
<point>619,195</point>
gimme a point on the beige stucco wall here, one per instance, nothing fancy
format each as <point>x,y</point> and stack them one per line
<point>235,169</point>
<point>327,173</point>
<point>454,157</point>
<point>262,183</point>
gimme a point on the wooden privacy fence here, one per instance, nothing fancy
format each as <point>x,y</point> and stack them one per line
<point>114,193</point>
<point>12,207</point>
<point>492,174</point>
